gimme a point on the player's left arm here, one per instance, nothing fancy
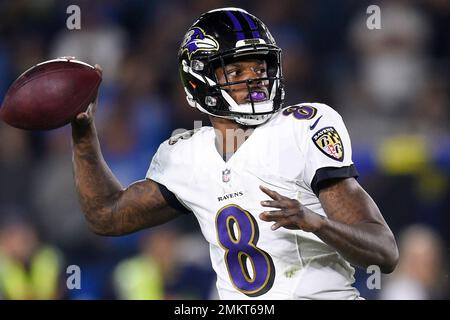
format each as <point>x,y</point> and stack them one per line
<point>354,225</point>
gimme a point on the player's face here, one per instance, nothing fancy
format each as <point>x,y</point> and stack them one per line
<point>241,70</point>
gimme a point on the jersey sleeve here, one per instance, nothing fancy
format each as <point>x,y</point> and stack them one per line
<point>327,147</point>
<point>158,163</point>
<point>163,171</point>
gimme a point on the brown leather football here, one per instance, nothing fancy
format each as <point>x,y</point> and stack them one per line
<point>50,94</point>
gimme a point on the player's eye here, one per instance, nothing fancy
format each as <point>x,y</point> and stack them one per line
<point>233,73</point>
<point>261,70</point>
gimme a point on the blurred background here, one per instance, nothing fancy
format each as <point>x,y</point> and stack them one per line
<point>390,85</point>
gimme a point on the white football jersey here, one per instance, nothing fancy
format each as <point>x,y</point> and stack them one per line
<point>297,149</point>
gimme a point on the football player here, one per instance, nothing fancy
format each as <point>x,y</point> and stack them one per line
<point>273,188</point>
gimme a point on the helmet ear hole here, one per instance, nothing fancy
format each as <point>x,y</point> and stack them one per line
<point>197,65</point>
<point>210,101</point>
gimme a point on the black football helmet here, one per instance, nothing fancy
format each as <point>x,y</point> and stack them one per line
<point>217,37</point>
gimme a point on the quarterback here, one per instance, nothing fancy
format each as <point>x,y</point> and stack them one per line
<point>273,188</point>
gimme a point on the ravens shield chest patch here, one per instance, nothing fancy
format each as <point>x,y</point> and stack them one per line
<point>329,142</point>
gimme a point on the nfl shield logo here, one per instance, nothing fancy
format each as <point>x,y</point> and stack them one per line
<point>226,175</point>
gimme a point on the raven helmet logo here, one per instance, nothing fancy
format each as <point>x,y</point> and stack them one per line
<point>197,40</point>
<point>329,142</point>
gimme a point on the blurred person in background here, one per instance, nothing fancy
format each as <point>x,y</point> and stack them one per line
<point>393,64</point>
<point>391,69</point>
<point>422,270</point>
<point>55,201</point>
<point>168,265</point>
<point>100,39</point>
<point>15,168</point>
<point>146,275</point>
<point>29,269</point>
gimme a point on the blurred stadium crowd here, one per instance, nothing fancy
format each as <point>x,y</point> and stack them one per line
<point>390,85</point>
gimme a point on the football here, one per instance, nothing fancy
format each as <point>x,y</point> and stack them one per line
<point>50,94</point>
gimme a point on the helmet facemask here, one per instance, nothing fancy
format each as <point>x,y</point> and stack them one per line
<point>261,91</point>
<point>204,91</point>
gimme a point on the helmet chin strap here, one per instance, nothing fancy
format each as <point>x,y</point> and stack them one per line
<point>252,120</point>
<point>247,120</point>
<point>244,119</point>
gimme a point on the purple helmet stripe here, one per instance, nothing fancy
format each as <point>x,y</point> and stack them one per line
<point>237,26</point>
<point>251,24</point>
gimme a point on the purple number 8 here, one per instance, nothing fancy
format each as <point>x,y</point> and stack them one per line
<point>301,112</point>
<point>238,233</point>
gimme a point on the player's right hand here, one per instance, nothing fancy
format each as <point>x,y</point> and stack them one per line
<point>84,119</point>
